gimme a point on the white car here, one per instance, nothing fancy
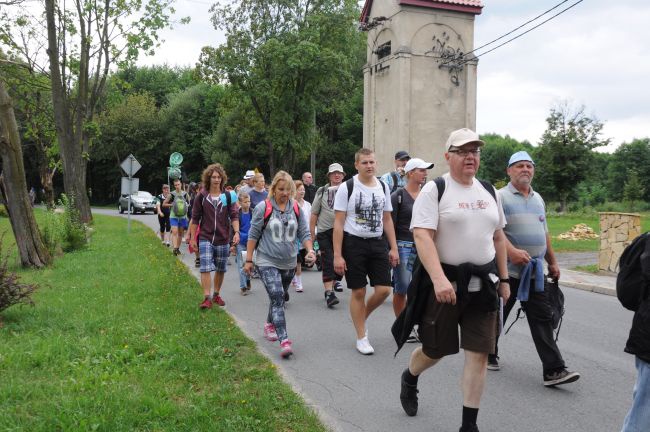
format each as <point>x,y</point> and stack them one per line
<point>141,201</point>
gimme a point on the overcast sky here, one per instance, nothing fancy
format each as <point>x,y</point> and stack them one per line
<point>596,55</point>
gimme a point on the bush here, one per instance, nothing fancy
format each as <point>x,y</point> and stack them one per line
<point>11,290</point>
<point>63,231</point>
<point>3,211</point>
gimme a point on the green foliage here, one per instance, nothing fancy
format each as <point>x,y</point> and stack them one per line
<point>117,345</point>
<point>633,190</point>
<point>564,155</point>
<point>3,211</point>
<point>63,231</point>
<point>628,158</point>
<point>591,194</point>
<point>12,291</point>
<point>495,155</point>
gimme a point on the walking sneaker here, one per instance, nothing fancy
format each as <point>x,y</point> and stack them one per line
<point>286,296</point>
<point>330,299</point>
<point>207,304</point>
<point>285,348</point>
<point>176,251</point>
<point>167,244</point>
<point>269,332</point>
<point>197,262</point>
<point>493,362</point>
<point>469,428</point>
<point>338,287</point>
<point>248,285</point>
<point>299,287</point>
<point>244,291</point>
<point>413,337</point>
<point>294,282</point>
<point>364,347</point>
<point>409,396</point>
<point>560,376</point>
<point>218,300</point>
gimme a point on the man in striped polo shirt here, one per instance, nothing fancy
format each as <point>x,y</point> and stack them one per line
<point>528,244</point>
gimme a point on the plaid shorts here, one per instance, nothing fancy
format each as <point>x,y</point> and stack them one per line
<point>213,257</point>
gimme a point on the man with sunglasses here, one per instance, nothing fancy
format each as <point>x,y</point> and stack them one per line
<point>461,245</point>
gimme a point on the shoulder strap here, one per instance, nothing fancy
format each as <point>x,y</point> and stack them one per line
<point>395,181</point>
<point>268,209</point>
<point>488,187</point>
<point>349,183</point>
<point>320,191</point>
<point>440,184</point>
<point>296,209</point>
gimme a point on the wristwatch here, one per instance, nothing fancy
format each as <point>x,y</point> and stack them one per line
<point>504,280</point>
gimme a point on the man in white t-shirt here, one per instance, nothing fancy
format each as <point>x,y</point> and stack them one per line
<point>362,225</point>
<point>461,245</point>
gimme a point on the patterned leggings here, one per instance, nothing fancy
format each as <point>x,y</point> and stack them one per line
<point>276,282</point>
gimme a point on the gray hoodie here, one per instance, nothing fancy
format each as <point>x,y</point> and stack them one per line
<point>277,247</point>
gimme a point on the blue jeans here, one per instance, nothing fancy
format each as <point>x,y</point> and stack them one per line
<point>638,419</point>
<point>243,277</point>
<point>402,273</point>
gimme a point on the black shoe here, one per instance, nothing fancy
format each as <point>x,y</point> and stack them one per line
<point>197,263</point>
<point>286,296</point>
<point>248,285</point>
<point>330,299</point>
<point>493,362</point>
<point>560,376</point>
<point>413,337</point>
<point>338,287</point>
<point>409,397</point>
<point>176,251</point>
<point>469,428</point>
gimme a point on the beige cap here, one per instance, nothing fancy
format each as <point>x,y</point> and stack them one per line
<point>460,137</point>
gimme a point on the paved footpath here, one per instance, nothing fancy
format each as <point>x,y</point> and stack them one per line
<point>351,392</point>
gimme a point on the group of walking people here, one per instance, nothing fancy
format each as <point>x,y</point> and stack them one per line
<point>450,250</point>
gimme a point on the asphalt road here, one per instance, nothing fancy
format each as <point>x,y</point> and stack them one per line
<point>355,393</point>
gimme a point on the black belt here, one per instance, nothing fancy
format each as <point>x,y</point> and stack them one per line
<point>381,237</point>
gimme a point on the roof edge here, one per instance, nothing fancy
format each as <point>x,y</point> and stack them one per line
<point>429,4</point>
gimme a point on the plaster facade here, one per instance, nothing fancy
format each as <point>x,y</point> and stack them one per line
<point>413,96</point>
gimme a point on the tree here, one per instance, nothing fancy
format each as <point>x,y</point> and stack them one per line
<point>83,43</point>
<point>496,154</point>
<point>564,155</point>
<point>634,155</point>
<point>633,190</point>
<point>13,188</point>
<point>283,56</point>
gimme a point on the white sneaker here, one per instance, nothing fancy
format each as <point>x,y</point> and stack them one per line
<point>364,347</point>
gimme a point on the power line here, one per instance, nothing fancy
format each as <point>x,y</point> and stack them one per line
<point>517,28</point>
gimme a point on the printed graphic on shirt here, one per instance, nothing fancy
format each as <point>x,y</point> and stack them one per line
<point>368,211</point>
<point>478,205</point>
<point>331,193</point>
<point>282,229</point>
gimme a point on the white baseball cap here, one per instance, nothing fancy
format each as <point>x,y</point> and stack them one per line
<point>417,163</point>
<point>460,137</point>
<point>335,167</point>
<point>249,174</point>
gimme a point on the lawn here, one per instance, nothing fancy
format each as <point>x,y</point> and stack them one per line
<point>116,343</point>
<point>559,224</point>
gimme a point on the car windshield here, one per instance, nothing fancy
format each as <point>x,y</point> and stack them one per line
<point>143,195</point>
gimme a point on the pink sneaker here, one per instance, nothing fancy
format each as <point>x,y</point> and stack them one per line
<point>269,332</point>
<point>285,348</point>
<point>218,300</point>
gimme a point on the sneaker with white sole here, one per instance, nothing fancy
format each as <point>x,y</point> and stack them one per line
<point>364,347</point>
<point>270,333</point>
<point>493,362</point>
<point>560,376</point>
<point>337,286</point>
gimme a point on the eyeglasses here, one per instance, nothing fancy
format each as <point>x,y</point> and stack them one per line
<point>464,153</point>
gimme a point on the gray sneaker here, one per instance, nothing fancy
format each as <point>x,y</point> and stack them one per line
<point>559,377</point>
<point>331,299</point>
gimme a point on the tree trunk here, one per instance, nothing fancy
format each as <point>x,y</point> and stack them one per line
<point>13,187</point>
<point>70,143</point>
<point>47,176</point>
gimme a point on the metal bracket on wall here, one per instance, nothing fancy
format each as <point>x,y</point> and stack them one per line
<point>448,57</point>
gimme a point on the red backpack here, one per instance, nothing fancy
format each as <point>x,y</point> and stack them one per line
<point>269,209</point>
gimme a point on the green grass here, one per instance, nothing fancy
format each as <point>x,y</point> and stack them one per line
<point>558,224</point>
<point>590,268</point>
<point>116,343</point>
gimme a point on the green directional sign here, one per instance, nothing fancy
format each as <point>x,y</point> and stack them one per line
<point>174,172</point>
<point>176,159</point>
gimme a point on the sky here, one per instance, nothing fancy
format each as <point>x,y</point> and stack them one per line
<point>595,54</point>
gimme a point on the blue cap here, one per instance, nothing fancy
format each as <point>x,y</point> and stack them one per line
<point>520,156</point>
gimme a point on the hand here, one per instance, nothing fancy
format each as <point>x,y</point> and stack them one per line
<point>310,258</point>
<point>554,271</point>
<point>160,214</point>
<point>339,265</point>
<point>444,291</point>
<point>194,244</point>
<point>235,239</point>
<point>519,257</point>
<point>504,291</point>
<point>393,257</point>
<point>248,268</point>
<point>232,250</point>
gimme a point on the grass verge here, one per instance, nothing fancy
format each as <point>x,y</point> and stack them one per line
<point>590,268</point>
<point>116,343</point>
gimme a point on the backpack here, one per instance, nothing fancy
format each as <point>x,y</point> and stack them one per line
<point>228,195</point>
<point>633,276</point>
<point>268,210</point>
<point>350,185</point>
<point>395,181</point>
<point>180,205</point>
<point>440,184</point>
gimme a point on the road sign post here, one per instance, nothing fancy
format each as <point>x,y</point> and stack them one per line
<point>130,165</point>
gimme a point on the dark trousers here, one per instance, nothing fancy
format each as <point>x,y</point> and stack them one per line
<point>538,313</point>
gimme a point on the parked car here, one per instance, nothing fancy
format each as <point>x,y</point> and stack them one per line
<point>141,201</point>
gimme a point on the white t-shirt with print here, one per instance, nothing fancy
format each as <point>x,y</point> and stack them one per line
<point>465,220</point>
<point>365,209</point>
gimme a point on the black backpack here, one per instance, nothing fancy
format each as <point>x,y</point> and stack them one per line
<point>634,273</point>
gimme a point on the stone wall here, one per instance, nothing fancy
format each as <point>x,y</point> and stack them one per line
<point>617,230</point>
